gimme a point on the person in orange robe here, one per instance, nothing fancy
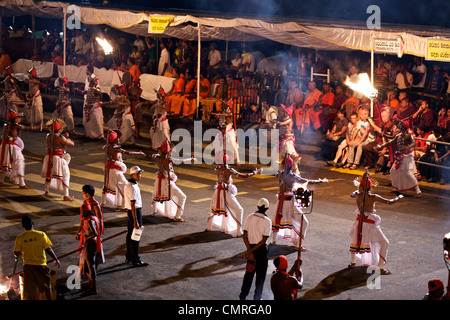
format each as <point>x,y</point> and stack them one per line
<point>189,98</point>
<point>175,97</point>
<point>325,101</point>
<point>311,102</point>
<point>133,69</point>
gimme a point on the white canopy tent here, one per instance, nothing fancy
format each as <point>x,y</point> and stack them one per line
<point>318,34</point>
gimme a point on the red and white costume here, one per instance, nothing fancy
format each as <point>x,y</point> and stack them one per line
<point>12,160</point>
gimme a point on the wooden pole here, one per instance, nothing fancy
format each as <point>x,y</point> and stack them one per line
<point>199,55</point>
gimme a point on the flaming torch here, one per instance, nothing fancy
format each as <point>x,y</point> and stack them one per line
<point>108,49</point>
<point>105,45</point>
<point>364,87</point>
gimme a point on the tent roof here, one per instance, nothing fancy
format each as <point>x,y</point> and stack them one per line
<point>322,34</point>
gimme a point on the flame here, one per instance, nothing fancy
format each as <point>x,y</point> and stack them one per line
<point>362,86</point>
<point>3,289</point>
<point>105,45</point>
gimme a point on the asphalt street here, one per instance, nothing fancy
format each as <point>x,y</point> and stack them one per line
<point>188,263</point>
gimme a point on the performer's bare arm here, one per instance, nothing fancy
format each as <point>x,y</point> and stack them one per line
<point>244,175</point>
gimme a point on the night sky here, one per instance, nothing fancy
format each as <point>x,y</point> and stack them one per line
<point>416,12</point>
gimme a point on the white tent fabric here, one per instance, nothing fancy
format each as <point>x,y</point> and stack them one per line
<point>322,35</point>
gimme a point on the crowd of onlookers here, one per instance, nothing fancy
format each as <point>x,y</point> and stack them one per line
<point>410,88</point>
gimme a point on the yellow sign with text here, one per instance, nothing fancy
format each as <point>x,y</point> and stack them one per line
<point>159,24</point>
<point>438,50</point>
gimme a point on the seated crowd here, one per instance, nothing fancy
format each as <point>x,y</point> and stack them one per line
<point>352,129</point>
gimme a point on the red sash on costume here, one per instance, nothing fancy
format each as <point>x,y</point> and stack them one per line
<point>220,188</point>
<point>5,141</point>
<point>98,239</point>
<point>92,202</point>
<point>56,152</point>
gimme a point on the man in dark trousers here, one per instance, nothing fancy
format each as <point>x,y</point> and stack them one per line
<point>283,283</point>
<point>257,230</point>
<point>133,204</point>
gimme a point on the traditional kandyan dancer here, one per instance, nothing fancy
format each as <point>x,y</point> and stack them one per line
<point>115,170</point>
<point>402,170</point>
<point>226,213</point>
<point>287,138</point>
<point>288,216</point>
<point>12,98</point>
<point>168,199</point>
<point>368,241</point>
<point>159,129</point>
<point>34,112</point>
<point>123,120</point>
<point>226,139</point>
<point>55,168</point>
<point>63,108</point>
<point>11,158</point>
<point>92,111</point>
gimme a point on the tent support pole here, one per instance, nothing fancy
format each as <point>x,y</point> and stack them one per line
<point>64,41</point>
<point>371,80</point>
<point>33,25</point>
<point>199,50</point>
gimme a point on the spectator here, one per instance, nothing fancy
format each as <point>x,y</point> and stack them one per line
<point>164,59</point>
<point>133,68</point>
<point>136,54</point>
<point>433,152</point>
<point>436,82</point>
<point>419,72</point>
<point>334,137</point>
<point>152,55</point>
<point>362,139</point>
<point>444,118</point>
<point>5,60</point>
<point>269,116</point>
<point>56,58</point>
<point>33,245</point>
<point>406,110</point>
<point>425,116</point>
<point>214,58</point>
<point>421,146</point>
<point>139,44</point>
<point>403,79</point>
<point>381,74</point>
<point>350,136</point>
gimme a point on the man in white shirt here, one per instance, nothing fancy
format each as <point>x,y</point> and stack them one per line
<point>269,116</point>
<point>214,57</point>
<point>257,230</point>
<point>133,204</point>
<point>139,43</point>
<point>404,79</point>
<point>419,72</point>
<point>164,59</point>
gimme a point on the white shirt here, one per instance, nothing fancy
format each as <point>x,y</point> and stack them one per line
<point>214,57</point>
<point>257,225</point>
<point>422,70</point>
<point>139,43</point>
<point>132,192</point>
<point>269,115</point>
<point>400,80</point>
<point>165,58</point>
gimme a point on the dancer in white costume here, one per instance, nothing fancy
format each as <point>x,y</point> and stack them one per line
<point>286,222</point>
<point>12,98</point>
<point>55,168</point>
<point>160,128</point>
<point>33,110</point>
<point>115,181</point>
<point>226,139</point>
<point>368,242</point>
<point>63,105</point>
<point>287,138</point>
<point>226,213</point>
<point>168,199</point>
<point>403,168</point>
<point>11,158</point>
<point>92,111</point>
<point>123,120</point>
